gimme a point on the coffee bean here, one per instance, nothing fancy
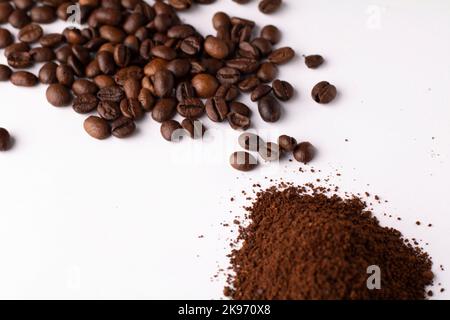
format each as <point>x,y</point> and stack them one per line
<point>269,108</point>
<point>128,72</point>
<point>123,127</point>
<point>260,92</point>
<point>164,109</point>
<point>146,99</point>
<point>6,38</point>
<point>132,87</point>
<point>314,61</point>
<point>283,90</point>
<point>106,62</point>
<point>228,75</point>
<point>194,128</point>
<point>5,10</point>
<point>221,20</point>
<point>244,65</point>
<point>217,109</point>
<point>108,110</point>
<point>287,143</point>
<point>263,45</point>
<point>179,67</point>
<point>216,48</point>
<point>191,45</point>
<point>122,55</point>
<point>163,82</point>
<point>5,140</point>
<point>270,151</point>
<point>103,81</point>
<point>269,6</point>
<point>247,85</point>
<point>40,54</point>
<point>250,141</point>
<point>112,34</point>
<point>23,79</point>
<point>19,19</point>
<point>76,65</point>
<point>85,103</point>
<point>324,92</point>
<point>205,85</point>
<point>304,152</point>
<point>51,40</point>
<point>5,72</point>
<point>185,90</point>
<point>65,75</point>
<point>30,33</point>
<point>267,72</point>
<point>83,86</point>
<point>154,66</point>
<point>43,14</point>
<point>228,92</point>
<point>63,53</point>
<point>16,47</point>
<point>181,4</point>
<point>238,121</point>
<point>131,108</point>
<point>164,52</point>
<point>243,161</point>
<point>191,108</point>
<point>20,60</point>
<point>114,93</point>
<point>97,127</point>
<point>181,31</point>
<point>239,107</point>
<point>171,130</point>
<point>282,55</point>
<point>58,95</point>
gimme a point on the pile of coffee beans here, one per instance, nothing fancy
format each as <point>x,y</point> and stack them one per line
<point>269,151</point>
<point>304,244</point>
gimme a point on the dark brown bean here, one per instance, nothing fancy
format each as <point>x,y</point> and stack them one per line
<point>85,103</point>
<point>282,55</point>
<point>131,108</point>
<point>97,127</point>
<point>6,38</point>
<point>5,72</point>
<point>20,60</point>
<point>283,90</point>
<point>260,92</point>
<point>238,121</point>
<point>164,109</point>
<point>108,110</point>
<point>217,109</point>
<point>191,108</point>
<point>23,79</point>
<point>171,130</point>
<point>30,33</point>
<point>194,128</point>
<point>324,92</point>
<point>123,127</point>
<point>58,95</point>
<point>314,61</point>
<point>287,143</point>
<point>47,74</point>
<point>269,108</point>
<point>304,152</point>
<point>243,161</point>
<point>5,140</point>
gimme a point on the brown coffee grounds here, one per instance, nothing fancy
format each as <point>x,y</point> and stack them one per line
<point>304,244</point>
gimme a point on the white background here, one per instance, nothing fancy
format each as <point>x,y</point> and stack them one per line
<point>80,218</point>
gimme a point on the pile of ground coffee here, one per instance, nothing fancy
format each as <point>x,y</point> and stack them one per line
<point>304,244</point>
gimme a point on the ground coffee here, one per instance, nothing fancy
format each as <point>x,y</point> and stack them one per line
<point>304,244</point>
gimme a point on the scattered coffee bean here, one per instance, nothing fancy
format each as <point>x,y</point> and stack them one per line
<point>271,33</point>
<point>5,140</point>
<point>270,152</point>
<point>164,109</point>
<point>83,86</point>
<point>131,108</point>
<point>267,72</point>
<point>269,6</point>
<point>97,127</point>
<point>191,108</point>
<point>283,90</point>
<point>250,141</point>
<point>58,95</point>
<point>217,109</point>
<point>239,107</point>
<point>269,108</point>
<point>314,61</point>
<point>238,121</point>
<point>243,161</point>
<point>108,110</point>
<point>282,55</point>
<point>5,72</point>
<point>85,103</point>
<point>171,130</point>
<point>40,54</point>
<point>260,91</point>
<point>324,92</point>
<point>205,85</point>
<point>287,143</point>
<point>23,79</point>
<point>304,152</point>
<point>20,60</point>
<point>194,128</point>
<point>123,127</point>
<point>6,38</point>
<point>30,33</point>
<point>113,93</point>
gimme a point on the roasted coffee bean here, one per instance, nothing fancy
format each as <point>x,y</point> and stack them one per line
<point>5,10</point>
<point>131,108</point>
<point>132,87</point>
<point>247,50</point>
<point>282,55</point>
<point>112,34</point>
<point>106,62</point>
<point>16,47</point>
<point>238,121</point>
<point>123,127</point>
<point>6,38</point>
<point>181,31</point>
<point>43,14</point>
<point>243,161</point>
<point>283,90</point>
<point>163,82</point>
<point>85,103</point>
<point>83,86</point>
<point>47,74</point>
<point>114,93</point>
<point>30,33</point>
<point>58,95</point>
<point>324,92</point>
<point>164,52</point>
<point>146,99</point>
<point>228,92</point>
<point>221,21</point>
<point>216,48</point>
<point>269,6</point>
<point>185,90</point>
<point>239,107</point>
<point>164,109</point>
<point>19,19</point>
<point>5,139</point>
<point>65,75</point>
<point>51,40</point>
<point>211,65</point>
<point>191,45</point>
<point>154,66</point>
<point>197,67</point>
<point>270,152</point>
<point>263,45</point>
<point>20,60</point>
<point>103,81</point>
<point>228,75</point>
<point>247,85</point>
<point>194,128</point>
<point>108,110</point>
<point>269,108</point>
<point>81,53</point>
<point>92,69</point>
<point>76,65</point>
<point>191,108</point>
<point>181,4</point>
<point>217,109</point>
<point>122,55</point>
<point>250,141</point>
<point>97,127</point>
<point>179,67</point>
<point>267,72</point>
<point>314,61</point>
<point>40,54</point>
<point>133,22</point>
<point>244,65</point>
<point>304,152</point>
<point>287,143</point>
<point>23,79</point>
<point>108,16</point>
<point>128,72</point>
<point>63,53</point>
<point>74,36</point>
<point>260,92</point>
<point>5,72</point>
<point>205,85</point>
<point>171,130</point>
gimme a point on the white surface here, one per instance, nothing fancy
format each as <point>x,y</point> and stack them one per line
<point>81,218</point>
